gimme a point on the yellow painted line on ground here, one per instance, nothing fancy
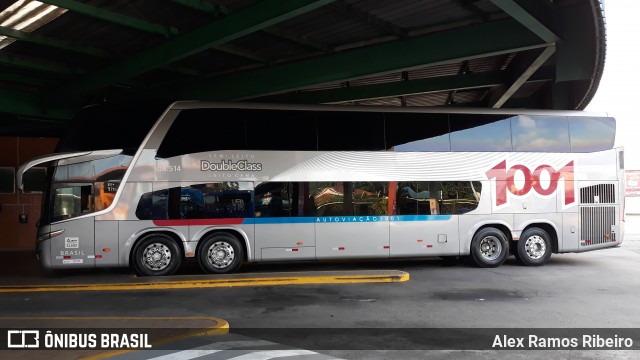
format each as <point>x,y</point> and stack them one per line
<point>398,276</point>
<point>221,328</point>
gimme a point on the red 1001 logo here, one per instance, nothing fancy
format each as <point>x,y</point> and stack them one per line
<point>505,181</point>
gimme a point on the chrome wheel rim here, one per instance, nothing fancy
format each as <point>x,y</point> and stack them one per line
<point>221,254</point>
<point>535,246</point>
<point>156,257</point>
<point>490,248</point>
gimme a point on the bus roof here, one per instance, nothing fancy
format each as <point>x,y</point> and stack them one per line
<point>186,105</point>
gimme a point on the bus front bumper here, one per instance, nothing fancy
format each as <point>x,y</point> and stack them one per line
<point>43,254</point>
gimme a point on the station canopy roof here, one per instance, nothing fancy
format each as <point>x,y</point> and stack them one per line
<point>57,56</point>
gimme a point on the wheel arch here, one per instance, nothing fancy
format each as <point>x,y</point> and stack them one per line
<point>137,237</point>
<point>549,229</point>
<point>503,226</point>
<point>237,233</point>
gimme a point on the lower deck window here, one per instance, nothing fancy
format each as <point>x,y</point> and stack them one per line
<point>304,199</point>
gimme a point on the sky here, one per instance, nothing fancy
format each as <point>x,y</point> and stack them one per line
<point>617,92</point>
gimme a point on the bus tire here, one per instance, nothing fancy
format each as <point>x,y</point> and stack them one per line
<point>157,255</point>
<point>220,253</point>
<point>489,248</point>
<point>534,247</point>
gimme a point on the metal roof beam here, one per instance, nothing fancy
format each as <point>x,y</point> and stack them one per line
<point>355,13</point>
<point>72,46</point>
<point>464,68</point>
<point>523,76</point>
<point>29,63</point>
<point>302,40</point>
<point>256,17</point>
<point>444,47</point>
<point>403,88</point>
<point>472,8</point>
<point>51,42</point>
<point>398,88</point>
<point>221,10</point>
<point>140,25</point>
<point>204,6</point>
<point>112,17</point>
<point>519,13</point>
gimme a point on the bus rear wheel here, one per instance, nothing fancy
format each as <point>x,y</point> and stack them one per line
<point>489,247</point>
<point>534,247</point>
<point>220,254</point>
<point>156,255</point>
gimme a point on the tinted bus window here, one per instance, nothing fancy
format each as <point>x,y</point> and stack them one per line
<point>203,130</point>
<point>458,197</point>
<point>480,132</point>
<point>226,199</point>
<point>437,197</point>
<point>281,130</point>
<point>350,198</point>
<point>540,133</point>
<point>192,204</point>
<point>329,198</point>
<point>199,201</point>
<point>101,177</point>
<point>153,205</point>
<point>275,199</point>
<point>592,134</point>
<point>413,198</point>
<point>71,201</point>
<point>350,130</point>
<point>417,132</point>
<point>370,198</point>
<point>118,125</point>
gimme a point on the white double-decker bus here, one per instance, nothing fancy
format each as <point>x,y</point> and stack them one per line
<point>228,183</point>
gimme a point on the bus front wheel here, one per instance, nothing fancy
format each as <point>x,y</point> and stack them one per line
<point>534,247</point>
<point>220,254</point>
<point>489,247</point>
<point>156,255</point>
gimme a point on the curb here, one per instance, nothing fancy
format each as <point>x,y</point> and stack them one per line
<point>281,279</point>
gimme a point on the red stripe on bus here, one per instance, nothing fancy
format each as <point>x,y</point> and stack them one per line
<point>195,222</point>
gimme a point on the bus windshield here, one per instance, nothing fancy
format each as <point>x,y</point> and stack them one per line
<point>84,187</point>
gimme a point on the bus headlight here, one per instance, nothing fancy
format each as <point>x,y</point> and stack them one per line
<point>49,235</point>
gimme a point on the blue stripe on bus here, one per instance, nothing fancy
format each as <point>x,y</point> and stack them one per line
<point>420,217</point>
<point>345,219</point>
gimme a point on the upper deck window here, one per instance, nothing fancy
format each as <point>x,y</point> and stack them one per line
<point>417,132</point>
<point>111,126</point>
<point>212,129</point>
<point>591,133</point>
<point>480,132</point>
<point>540,133</point>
